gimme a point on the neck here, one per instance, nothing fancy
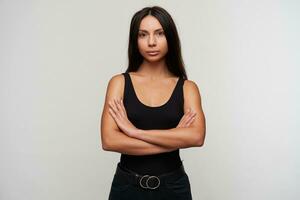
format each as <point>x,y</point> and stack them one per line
<point>154,70</point>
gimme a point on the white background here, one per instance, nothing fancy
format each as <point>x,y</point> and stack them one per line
<point>57,56</point>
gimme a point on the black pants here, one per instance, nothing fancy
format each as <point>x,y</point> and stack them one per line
<point>128,185</point>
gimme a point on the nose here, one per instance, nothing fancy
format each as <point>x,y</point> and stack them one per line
<point>152,40</point>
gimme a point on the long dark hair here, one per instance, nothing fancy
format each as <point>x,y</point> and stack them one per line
<point>173,57</point>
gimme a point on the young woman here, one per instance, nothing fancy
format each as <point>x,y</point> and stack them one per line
<point>150,112</point>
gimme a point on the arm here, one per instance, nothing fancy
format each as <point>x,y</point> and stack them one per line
<point>191,136</point>
<point>172,138</point>
<point>119,142</point>
<point>112,138</point>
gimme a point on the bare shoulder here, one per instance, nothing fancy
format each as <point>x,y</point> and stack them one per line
<point>114,90</point>
<point>192,96</point>
<point>190,88</point>
<point>190,84</point>
<point>192,100</point>
<point>115,87</point>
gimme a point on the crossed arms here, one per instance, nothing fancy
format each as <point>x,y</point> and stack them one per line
<point>119,135</point>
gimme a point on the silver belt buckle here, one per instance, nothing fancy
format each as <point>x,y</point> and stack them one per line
<point>147,185</point>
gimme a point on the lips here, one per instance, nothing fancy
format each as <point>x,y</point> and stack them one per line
<point>152,53</point>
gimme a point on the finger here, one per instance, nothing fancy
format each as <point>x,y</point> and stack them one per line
<point>183,119</point>
<point>188,115</point>
<point>123,108</point>
<point>114,108</point>
<point>112,105</point>
<point>118,114</point>
<point>118,104</point>
<point>192,115</point>
<point>192,119</point>
<point>189,118</point>
<point>112,113</point>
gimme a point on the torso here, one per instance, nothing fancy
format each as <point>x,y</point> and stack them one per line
<point>153,93</point>
<point>153,105</point>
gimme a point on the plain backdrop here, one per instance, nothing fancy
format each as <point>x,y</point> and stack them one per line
<point>56,59</point>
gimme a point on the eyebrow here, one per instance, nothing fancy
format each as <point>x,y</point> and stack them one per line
<point>147,31</point>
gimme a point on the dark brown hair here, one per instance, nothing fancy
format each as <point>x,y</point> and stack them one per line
<point>173,57</point>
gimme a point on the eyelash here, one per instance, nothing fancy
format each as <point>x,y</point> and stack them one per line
<point>142,34</point>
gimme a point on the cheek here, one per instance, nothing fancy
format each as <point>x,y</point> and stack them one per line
<point>142,45</point>
<point>163,45</point>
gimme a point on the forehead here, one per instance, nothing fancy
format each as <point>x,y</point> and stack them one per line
<point>150,23</point>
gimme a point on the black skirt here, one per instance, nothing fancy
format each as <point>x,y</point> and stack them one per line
<point>128,185</point>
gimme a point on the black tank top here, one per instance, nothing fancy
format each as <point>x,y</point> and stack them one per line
<point>146,117</point>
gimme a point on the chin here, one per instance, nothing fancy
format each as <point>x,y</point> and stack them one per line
<point>158,57</point>
<point>153,59</point>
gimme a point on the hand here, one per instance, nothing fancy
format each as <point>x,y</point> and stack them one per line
<point>187,119</point>
<point>118,112</point>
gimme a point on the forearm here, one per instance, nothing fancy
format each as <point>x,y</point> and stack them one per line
<point>119,142</point>
<point>179,137</point>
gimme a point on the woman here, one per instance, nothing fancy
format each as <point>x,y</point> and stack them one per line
<point>150,112</point>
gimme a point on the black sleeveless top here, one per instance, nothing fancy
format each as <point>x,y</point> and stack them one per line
<point>147,117</point>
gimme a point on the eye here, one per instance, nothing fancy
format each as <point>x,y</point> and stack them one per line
<point>141,34</point>
<point>161,33</point>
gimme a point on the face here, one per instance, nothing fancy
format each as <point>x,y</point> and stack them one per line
<point>152,42</point>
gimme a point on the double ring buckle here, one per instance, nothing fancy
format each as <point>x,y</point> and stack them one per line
<point>148,178</point>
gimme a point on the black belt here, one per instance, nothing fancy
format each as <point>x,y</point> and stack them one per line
<point>149,181</point>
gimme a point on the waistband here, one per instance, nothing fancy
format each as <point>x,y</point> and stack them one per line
<point>148,181</point>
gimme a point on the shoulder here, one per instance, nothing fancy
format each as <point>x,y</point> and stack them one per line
<point>116,79</point>
<point>115,86</point>
<point>192,96</point>
<point>190,86</point>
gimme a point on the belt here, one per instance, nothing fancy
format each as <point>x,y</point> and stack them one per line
<point>148,181</point>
